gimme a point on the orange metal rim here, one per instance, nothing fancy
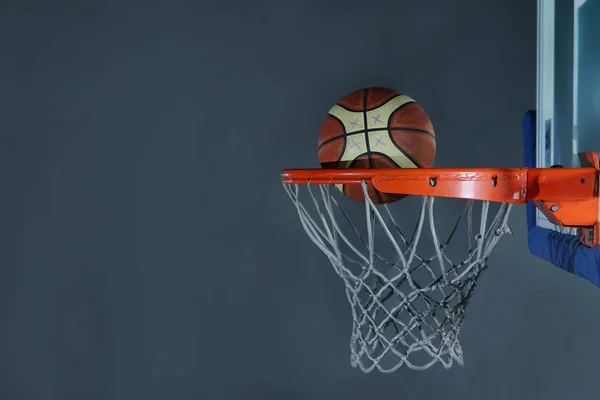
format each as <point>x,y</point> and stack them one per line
<point>511,185</point>
<point>566,196</point>
<point>569,196</point>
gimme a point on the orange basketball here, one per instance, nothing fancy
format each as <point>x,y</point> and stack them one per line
<point>376,128</point>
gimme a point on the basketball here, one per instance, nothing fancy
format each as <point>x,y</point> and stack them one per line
<point>376,128</point>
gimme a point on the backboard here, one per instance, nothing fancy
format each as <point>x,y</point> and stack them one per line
<point>568,83</point>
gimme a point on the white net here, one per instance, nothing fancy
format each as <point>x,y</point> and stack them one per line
<point>407,308</point>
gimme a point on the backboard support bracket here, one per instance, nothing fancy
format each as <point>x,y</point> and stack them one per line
<point>556,210</point>
<point>590,236</point>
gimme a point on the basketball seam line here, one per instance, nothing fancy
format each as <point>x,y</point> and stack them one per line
<point>386,156</point>
<point>339,160</point>
<point>345,134</point>
<point>365,123</point>
<point>367,141</point>
<point>379,106</point>
<point>401,150</point>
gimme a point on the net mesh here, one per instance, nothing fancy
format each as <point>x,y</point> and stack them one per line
<point>407,308</point>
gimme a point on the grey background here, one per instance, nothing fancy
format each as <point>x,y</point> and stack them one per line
<point>149,251</point>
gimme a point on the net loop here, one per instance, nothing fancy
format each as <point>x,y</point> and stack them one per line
<point>407,307</point>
